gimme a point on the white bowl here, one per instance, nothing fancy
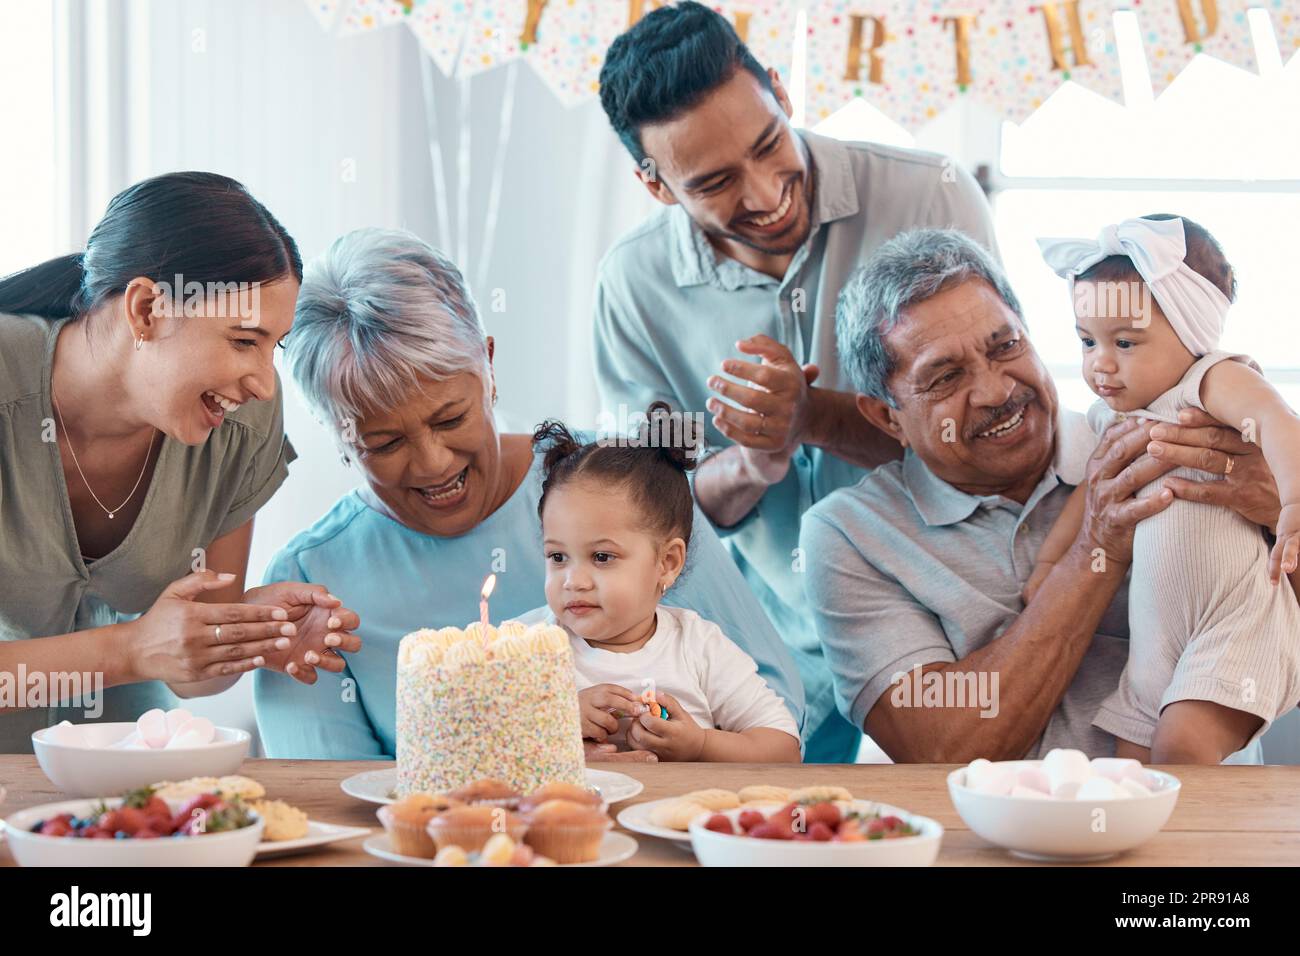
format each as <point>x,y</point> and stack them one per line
<point>724,849</point>
<point>88,770</point>
<point>1076,830</point>
<point>233,848</point>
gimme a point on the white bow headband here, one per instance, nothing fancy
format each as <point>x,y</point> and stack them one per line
<point>1194,305</point>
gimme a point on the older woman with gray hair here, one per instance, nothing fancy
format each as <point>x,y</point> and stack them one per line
<point>916,572</point>
<point>388,350</point>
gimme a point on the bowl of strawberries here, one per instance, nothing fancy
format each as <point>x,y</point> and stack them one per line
<point>816,833</point>
<point>138,829</point>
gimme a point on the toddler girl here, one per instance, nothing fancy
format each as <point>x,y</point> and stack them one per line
<point>616,518</point>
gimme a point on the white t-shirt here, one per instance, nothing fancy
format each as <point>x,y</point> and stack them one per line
<point>692,660</point>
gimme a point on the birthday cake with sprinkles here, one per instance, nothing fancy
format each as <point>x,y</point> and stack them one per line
<point>488,702</point>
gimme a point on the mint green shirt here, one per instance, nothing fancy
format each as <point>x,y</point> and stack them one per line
<point>196,495</point>
<point>669,310</point>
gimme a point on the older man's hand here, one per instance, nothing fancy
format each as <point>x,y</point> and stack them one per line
<point>1205,444</point>
<point>1119,468</point>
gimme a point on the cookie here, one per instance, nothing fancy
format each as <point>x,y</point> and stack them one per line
<point>282,822</point>
<point>243,787</point>
<point>715,799</point>
<point>816,794</point>
<point>765,792</point>
<point>676,815</point>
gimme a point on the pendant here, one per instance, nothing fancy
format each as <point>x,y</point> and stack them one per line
<point>110,516</point>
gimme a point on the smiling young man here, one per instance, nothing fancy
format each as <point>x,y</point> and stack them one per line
<point>725,299</point>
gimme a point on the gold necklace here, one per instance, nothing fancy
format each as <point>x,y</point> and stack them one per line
<point>68,438</point>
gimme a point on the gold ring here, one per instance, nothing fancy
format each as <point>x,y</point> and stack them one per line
<point>1227,471</point>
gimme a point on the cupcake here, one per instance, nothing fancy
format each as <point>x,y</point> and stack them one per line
<point>488,793</point>
<point>566,831</point>
<point>471,827</point>
<point>407,822</point>
<point>561,791</point>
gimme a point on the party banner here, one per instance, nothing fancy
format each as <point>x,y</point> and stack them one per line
<point>1174,31</point>
<point>1286,25</point>
<point>565,40</point>
<point>362,16</point>
<point>911,59</point>
<point>1045,43</point>
<point>325,11</point>
<point>440,27</point>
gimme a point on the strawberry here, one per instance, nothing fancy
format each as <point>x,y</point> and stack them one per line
<point>820,832</point>
<point>720,823</point>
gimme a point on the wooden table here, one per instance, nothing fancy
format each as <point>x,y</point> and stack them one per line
<point>1226,816</point>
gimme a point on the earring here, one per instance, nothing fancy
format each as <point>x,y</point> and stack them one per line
<point>139,343</point>
<point>343,457</point>
<point>494,398</point>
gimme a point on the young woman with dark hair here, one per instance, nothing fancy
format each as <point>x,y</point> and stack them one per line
<point>141,429</point>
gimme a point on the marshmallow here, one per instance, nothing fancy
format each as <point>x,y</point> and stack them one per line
<point>996,781</point>
<point>195,732</point>
<point>152,727</point>
<point>975,770</point>
<point>1065,767</point>
<point>1114,768</point>
<point>1132,788</point>
<point>1099,788</point>
<point>1033,778</point>
<point>175,718</point>
<point>1029,793</point>
<point>1067,790</point>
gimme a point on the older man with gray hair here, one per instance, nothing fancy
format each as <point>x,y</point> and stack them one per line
<point>916,572</point>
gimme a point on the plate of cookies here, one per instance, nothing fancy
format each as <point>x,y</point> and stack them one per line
<point>286,830</point>
<point>670,818</point>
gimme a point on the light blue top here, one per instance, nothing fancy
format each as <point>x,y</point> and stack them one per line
<point>398,580</point>
<point>669,310</point>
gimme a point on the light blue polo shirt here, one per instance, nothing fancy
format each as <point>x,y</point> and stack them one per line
<point>908,570</point>
<point>669,310</point>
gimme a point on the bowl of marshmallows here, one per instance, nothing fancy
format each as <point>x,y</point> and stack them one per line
<point>93,759</point>
<point>1065,806</point>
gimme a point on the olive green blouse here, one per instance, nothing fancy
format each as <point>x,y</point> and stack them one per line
<point>196,495</point>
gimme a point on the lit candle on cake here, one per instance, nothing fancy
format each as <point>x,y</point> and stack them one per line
<point>459,717</point>
<point>488,586</point>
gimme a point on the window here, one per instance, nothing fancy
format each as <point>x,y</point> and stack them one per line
<point>27,160</point>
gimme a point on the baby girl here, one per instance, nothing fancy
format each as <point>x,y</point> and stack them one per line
<point>1214,642</point>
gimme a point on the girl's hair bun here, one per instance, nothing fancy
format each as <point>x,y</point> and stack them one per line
<point>675,435</point>
<point>559,443</point>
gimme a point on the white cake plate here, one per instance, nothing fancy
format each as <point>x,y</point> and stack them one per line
<point>380,786</point>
